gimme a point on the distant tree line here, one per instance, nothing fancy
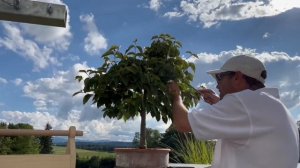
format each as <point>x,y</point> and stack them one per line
<point>107,146</point>
<point>24,144</point>
<point>153,138</point>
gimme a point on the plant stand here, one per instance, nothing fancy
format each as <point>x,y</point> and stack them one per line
<point>142,158</point>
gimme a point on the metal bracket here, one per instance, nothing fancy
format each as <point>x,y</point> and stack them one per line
<point>49,9</point>
<point>17,4</point>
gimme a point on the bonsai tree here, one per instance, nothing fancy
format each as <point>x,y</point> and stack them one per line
<point>134,83</point>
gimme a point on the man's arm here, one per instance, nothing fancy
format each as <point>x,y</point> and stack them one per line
<point>180,112</point>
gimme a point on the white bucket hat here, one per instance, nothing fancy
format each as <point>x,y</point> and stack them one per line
<point>247,65</point>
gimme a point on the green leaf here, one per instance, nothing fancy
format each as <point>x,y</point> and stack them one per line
<point>91,71</point>
<point>131,69</point>
<point>119,55</point>
<point>107,53</point>
<point>157,116</point>
<point>124,80</point>
<point>154,37</point>
<point>129,48</point>
<point>86,98</point>
<point>192,54</point>
<point>192,65</point>
<point>79,78</point>
<point>165,118</point>
<point>131,54</point>
<point>189,76</point>
<point>77,93</point>
<point>111,51</point>
<point>139,54</point>
<point>140,49</point>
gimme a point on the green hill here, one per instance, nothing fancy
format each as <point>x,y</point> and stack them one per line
<point>84,154</point>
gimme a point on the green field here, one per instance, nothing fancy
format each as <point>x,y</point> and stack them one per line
<point>83,154</point>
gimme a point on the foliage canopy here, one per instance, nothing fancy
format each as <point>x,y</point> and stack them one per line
<point>18,144</point>
<point>135,82</point>
<point>132,82</point>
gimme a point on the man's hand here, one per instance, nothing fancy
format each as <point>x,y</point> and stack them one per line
<point>209,96</point>
<point>174,90</point>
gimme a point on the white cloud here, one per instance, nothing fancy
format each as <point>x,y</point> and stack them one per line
<point>173,14</point>
<point>3,81</point>
<point>54,94</point>
<point>266,35</point>
<point>52,98</point>
<point>155,4</point>
<point>212,12</point>
<point>283,84</point>
<point>266,57</point>
<point>18,81</point>
<point>71,57</point>
<point>37,43</point>
<point>38,119</point>
<point>291,97</point>
<point>205,58</point>
<point>95,41</point>
<point>94,129</point>
<point>14,40</point>
<point>284,5</point>
<point>277,56</point>
<point>54,37</point>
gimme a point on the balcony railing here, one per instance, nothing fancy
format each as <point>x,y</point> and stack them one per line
<point>67,160</point>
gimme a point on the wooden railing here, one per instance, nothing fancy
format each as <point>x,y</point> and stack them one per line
<point>67,160</point>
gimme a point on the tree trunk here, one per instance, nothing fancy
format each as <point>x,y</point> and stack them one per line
<point>143,144</point>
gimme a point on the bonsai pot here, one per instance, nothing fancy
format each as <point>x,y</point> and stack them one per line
<point>142,158</point>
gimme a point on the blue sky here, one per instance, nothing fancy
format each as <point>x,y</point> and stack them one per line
<point>39,63</point>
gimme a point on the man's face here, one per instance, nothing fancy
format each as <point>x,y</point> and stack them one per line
<point>225,83</point>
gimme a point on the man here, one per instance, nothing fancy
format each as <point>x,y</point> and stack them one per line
<point>254,129</point>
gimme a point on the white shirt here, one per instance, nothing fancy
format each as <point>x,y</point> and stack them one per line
<point>254,128</point>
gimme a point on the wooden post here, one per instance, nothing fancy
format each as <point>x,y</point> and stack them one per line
<point>34,12</point>
<point>71,146</point>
